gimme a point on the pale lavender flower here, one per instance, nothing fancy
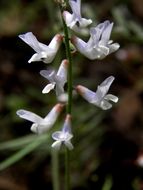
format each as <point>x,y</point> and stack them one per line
<point>41,125</point>
<point>57,80</point>
<point>99,98</point>
<point>99,44</point>
<point>64,136</point>
<point>43,52</point>
<point>74,20</point>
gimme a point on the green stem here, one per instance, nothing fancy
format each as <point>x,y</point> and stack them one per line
<point>67,169</point>
<point>55,170</point>
<point>69,103</point>
<point>69,58</point>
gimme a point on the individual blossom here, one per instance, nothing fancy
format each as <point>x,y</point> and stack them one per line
<point>43,52</point>
<point>74,20</point>
<point>99,44</point>
<point>99,98</point>
<point>41,125</point>
<point>64,136</point>
<point>57,79</point>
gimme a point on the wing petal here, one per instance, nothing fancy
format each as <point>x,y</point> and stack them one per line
<point>48,88</point>
<point>103,88</point>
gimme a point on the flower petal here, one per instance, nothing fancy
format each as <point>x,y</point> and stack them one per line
<point>106,33</point>
<point>100,27</point>
<point>30,116</point>
<point>59,89</point>
<point>44,47</point>
<point>61,78</point>
<point>35,57</point>
<point>76,21</point>
<point>48,74</point>
<point>105,105</point>
<point>68,136</point>
<point>62,72</point>
<point>40,129</point>
<point>75,6</point>
<point>97,31</point>
<point>113,47</point>
<point>103,88</point>
<point>85,22</point>
<point>48,57</point>
<point>56,145</point>
<point>53,114</point>
<point>48,88</point>
<point>56,42</point>
<point>34,128</point>
<point>69,145</point>
<point>31,40</point>
<point>87,49</point>
<point>86,93</point>
<point>67,125</point>
<point>111,97</point>
<point>95,36</point>
<point>57,135</point>
<point>79,44</point>
<point>68,18</point>
<point>104,50</point>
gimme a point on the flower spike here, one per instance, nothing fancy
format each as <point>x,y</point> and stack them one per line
<point>43,52</point>
<point>41,125</point>
<point>99,44</point>
<point>99,98</point>
<point>63,136</point>
<point>57,80</point>
<point>74,20</point>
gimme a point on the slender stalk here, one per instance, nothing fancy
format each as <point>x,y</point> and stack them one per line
<point>69,103</point>
<point>67,169</point>
<point>55,170</point>
<point>69,58</point>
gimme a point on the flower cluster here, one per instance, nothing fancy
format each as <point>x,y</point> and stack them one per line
<point>98,46</point>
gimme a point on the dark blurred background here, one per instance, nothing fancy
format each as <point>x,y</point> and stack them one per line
<point>108,150</point>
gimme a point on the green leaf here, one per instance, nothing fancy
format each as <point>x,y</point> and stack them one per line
<point>17,143</point>
<point>23,152</point>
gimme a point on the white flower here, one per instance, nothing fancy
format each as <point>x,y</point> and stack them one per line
<point>57,80</point>
<point>99,98</point>
<point>43,52</point>
<point>99,44</point>
<point>63,136</point>
<point>41,125</point>
<point>74,20</point>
